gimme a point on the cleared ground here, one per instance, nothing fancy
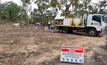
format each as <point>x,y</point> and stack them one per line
<point>25,46</point>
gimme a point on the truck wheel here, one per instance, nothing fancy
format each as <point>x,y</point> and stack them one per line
<point>65,30</point>
<point>71,31</point>
<point>92,32</point>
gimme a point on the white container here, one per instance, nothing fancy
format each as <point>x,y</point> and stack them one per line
<point>77,21</point>
<point>67,21</point>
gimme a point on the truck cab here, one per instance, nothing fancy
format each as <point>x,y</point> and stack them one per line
<point>96,22</point>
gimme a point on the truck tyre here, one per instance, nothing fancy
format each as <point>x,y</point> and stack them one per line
<point>65,30</point>
<point>92,32</point>
<point>70,31</point>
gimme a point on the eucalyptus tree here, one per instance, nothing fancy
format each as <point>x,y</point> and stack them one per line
<point>27,6</point>
<point>10,11</point>
<point>63,5</point>
<point>0,12</point>
<point>102,6</point>
<point>42,9</point>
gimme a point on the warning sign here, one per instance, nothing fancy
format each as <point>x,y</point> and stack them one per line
<point>72,54</point>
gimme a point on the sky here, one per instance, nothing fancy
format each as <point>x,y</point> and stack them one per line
<point>18,1</point>
<point>33,5</point>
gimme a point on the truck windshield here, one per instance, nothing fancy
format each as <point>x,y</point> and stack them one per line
<point>103,18</point>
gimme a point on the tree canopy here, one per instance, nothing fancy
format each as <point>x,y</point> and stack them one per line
<point>48,9</point>
<point>11,11</point>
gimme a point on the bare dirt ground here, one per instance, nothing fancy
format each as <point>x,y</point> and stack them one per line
<point>25,46</point>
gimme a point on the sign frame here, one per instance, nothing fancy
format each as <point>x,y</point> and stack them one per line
<point>69,61</point>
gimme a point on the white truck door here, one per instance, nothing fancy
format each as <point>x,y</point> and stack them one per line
<point>96,22</point>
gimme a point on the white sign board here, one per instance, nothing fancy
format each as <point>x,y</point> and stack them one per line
<point>72,54</point>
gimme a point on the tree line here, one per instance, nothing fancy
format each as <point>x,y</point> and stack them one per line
<point>48,9</point>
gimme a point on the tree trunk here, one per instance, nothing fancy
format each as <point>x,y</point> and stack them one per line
<point>26,12</point>
<point>42,18</point>
<point>27,16</point>
<point>42,21</point>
